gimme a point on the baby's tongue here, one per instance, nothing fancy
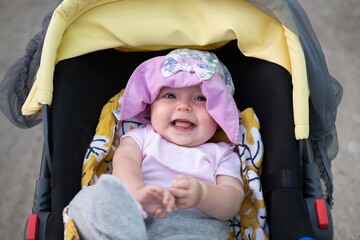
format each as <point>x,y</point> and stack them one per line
<point>182,124</point>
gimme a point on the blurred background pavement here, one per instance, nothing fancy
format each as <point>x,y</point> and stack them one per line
<point>336,24</point>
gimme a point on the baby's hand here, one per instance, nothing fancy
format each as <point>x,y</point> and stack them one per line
<point>187,191</point>
<point>153,198</point>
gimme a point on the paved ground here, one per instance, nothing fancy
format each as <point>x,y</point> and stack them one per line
<point>336,24</point>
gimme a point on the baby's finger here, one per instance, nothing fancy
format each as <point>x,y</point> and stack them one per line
<point>171,204</point>
<point>180,177</point>
<point>179,193</point>
<point>166,197</point>
<point>156,191</point>
<point>181,203</point>
<point>159,213</point>
<point>181,183</point>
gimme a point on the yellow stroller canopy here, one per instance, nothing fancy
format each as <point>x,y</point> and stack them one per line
<point>80,27</point>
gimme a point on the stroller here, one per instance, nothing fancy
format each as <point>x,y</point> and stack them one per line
<point>269,48</point>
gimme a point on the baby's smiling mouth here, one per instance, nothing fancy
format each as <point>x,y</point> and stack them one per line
<point>182,124</point>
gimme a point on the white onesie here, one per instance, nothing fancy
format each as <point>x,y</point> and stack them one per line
<point>163,161</point>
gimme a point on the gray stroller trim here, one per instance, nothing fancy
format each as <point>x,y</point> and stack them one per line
<point>325,91</point>
<point>20,77</point>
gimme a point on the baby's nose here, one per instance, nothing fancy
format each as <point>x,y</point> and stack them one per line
<point>184,106</point>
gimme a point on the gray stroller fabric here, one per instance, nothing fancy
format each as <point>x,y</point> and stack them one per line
<point>326,92</point>
<point>19,78</point>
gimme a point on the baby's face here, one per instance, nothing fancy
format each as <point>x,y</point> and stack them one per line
<point>179,115</point>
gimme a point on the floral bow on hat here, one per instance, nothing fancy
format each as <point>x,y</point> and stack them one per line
<point>203,64</point>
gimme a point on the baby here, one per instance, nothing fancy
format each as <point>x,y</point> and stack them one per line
<point>178,165</point>
<point>169,167</point>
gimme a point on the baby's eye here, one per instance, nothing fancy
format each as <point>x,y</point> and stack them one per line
<point>200,98</point>
<point>169,96</point>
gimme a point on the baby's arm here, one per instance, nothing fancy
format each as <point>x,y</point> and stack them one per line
<point>127,167</point>
<point>222,201</point>
<point>126,164</point>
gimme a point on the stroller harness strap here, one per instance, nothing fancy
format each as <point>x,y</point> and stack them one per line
<point>86,26</point>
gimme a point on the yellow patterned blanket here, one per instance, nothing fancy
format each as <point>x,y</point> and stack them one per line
<point>249,223</point>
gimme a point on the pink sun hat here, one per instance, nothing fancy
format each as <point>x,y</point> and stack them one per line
<point>182,68</point>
